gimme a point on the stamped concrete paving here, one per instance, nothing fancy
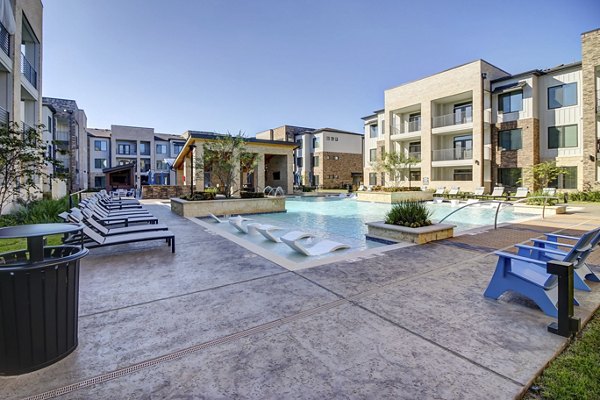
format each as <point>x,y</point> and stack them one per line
<point>216,321</point>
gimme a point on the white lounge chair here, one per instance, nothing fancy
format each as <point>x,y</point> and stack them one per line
<point>322,247</point>
<point>549,191</point>
<point>217,219</point>
<point>266,231</point>
<point>237,223</point>
<point>439,191</point>
<point>522,193</point>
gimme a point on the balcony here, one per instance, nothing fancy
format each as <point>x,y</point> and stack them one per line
<point>415,154</point>
<point>451,119</point>
<point>410,131</point>
<point>28,71</point>
<point>455,154</point>
<point>414,126</point>
<point>4,40</point>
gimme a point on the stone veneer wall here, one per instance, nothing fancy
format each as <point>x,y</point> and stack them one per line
<point>163,191</point>
<point>590,60</point>
<point>342,168</point>
<point>527,156</point>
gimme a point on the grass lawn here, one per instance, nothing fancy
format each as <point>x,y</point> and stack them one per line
<point>7,245</point>
<point>574,374</point>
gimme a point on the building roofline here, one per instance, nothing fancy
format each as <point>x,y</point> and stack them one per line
<point>593,30</point>
<point>538,72</point>
<point>336,131</point>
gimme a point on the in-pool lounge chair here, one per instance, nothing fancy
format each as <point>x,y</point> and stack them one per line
<point>321,247</point>
<point>266,231</point>
<point>238,223</point>
<point>100,241</point>
<point>546,250</point>
<point>215,218</point>
<point>527,277</point>
<point>522,192</point>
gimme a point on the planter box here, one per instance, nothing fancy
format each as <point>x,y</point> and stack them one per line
<point>203,208</point>
<point>533,209</point>
<point>394,197</point>
<point>163,191</point>
<point>396,233</point>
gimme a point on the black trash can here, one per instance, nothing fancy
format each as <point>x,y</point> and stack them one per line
<point>39,305</point>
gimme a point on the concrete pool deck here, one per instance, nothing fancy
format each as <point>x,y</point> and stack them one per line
<point>215,320</point>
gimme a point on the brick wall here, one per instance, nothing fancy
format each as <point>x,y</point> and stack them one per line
<point>335,173</point>
<point>527,156</point>
<point>590,60</point>
<point>163,191</point>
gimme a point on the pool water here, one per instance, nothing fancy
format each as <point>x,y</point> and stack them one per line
<point>343,220</point>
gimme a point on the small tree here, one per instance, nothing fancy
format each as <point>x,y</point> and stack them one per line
<point>546,172</point>
<point>225,157</point>
<point>23,160</point>
<point>396,164</point>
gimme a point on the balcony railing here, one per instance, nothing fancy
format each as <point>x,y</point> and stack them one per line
<point>28,71</point>
<point>4,116</point>
<point>452,154</point>
<point>4,40</point>
<point>415,154</point>
<point>414,126</point>
<point>451,119</point>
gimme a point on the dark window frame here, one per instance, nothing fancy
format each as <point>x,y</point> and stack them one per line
<point>562,85</point>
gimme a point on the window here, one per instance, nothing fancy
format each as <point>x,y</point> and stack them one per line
<point>373,130</point>
<point>414,150</point>
<point>160,165</point>
<point>414,122</point>
<point>463,147</point>
<point>100,163</point>
<point>177,147</point>
<point>509,177</point>
<point>463,113</point>
<point>125,162</point>
<point>336,139</point>
<point>315,161</point>
<point>562,136</point>
<point>562,95</point>
<point>463,174</point>
<point>372,155</point>
<point>315,180</point>
<point>510,139</point>
<point>415,176</point>
<point>276,175</point>
<point>299,143</point>
<point>510,102</point>
<point>373,179</point>
<point>336,157</point>
<point>99,182</point>
<point>329,138</point>
<point>145,148</point>
<point>145,165</point>
<point>299,162</point>
<point>568,180</point>
<point>316,143</point>
<point>124,149</point>
<point>161,149</point>
<point>100,145</point>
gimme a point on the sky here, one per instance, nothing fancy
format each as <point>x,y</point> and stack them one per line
<point>250,65</point>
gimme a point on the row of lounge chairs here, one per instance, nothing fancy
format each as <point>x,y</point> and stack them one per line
<point>499,193</point>
<point>109,221</point>
<point>294,239</point>
<point>525,272</point>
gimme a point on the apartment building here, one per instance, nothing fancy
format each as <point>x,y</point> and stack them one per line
<point>326,158</point>
<point>21,63</point>
<point>152,154</point>
<point>478,125</point>
<point>66,125</point>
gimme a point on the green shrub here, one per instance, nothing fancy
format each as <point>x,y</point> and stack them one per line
<point>409,213</point>
<point>394,189</point>
<point>41,211</point>
<point>540,202</point>
<point>307,189</point>
<point>8,220</point>
<point>593,196</point>
<point>198,196</point>
<point>252,195</point>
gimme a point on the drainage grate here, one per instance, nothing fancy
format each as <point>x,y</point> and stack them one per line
<point>181,353</point>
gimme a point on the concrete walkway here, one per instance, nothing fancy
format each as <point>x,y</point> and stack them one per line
<point>217,321</point>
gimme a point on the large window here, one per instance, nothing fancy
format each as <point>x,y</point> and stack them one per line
<point>415,176</point>
<point>145,148</point>
<point>316,142</point>
<point>463,113</point>
<point>509,177</point>
<point>100,145</point>
<point>463,174</point>
<point>161,165</point>
<point>373,178</point>
<point>510,139</point>
<point>373,130</point>
<point>100,163</point>
<point>372,155</point>
<point>568,180</point>
<point>177,147</point>
<point>562,136</point>
<point>299,162</point>
<point>562,95</point>
<point>315,161</point>
<point>299,143</point>
<point>463,147</point>
<point>99,182</point>
<point>124,149</point>
<point>510,102</point>
<point>161,149</point>
<point>414,150</point>
<point>414,122</point>
<point>145,165</point>
<point>315,180</point>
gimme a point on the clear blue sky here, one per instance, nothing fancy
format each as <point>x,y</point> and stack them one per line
<point>225,65</point>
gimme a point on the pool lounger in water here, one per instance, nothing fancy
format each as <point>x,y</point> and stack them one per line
<point>322,247</point>
<point>266,231</point>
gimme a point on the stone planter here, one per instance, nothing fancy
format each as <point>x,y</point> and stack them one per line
<point>236,206</point>
<point>396,233</point>
<point>394,197</point>
<point>534,209</point>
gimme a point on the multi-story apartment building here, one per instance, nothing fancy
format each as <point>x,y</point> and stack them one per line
<point>477,125</point>
<point>326,158</point>
<point>21,63</point>
<point>152,154</point>
<point>68,126</point>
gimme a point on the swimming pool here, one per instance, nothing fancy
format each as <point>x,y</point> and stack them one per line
<point>343,220</point>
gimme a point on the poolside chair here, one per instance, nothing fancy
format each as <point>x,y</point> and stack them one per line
<point>439,191</point>
<point>100,241</point>
<point>102,210</point>
<point>453,192</point>
<point>479,192</point>
<point>117,219</point>
<point>266,231</point>
<point>522,192</point>
<point>549,192</point>
<point>546,250</point>
<point>527,277</point>
<point>498,192</point>
<point>104,231</point>
<point>322,247</point>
